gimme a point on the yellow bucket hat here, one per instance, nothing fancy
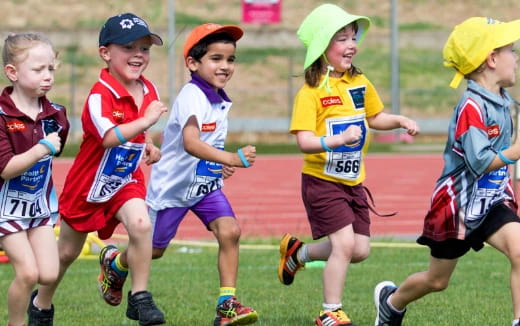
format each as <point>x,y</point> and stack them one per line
<point>318,28</point>
<point>473,40</point>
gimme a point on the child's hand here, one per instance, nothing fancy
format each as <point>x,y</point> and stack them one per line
<point>154,111</point>
<point>55,140</point>
<point>410,125</point>
<point>352,134</point>
<point>152,154</point>
<point>249,155</point>
<point>227,171</point>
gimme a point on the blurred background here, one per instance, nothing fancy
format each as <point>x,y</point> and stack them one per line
<point>269,57</point>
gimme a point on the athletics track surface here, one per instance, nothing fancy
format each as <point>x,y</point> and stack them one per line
<point>266,197</point>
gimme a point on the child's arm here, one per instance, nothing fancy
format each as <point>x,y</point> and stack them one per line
<point>512,153</point>
<point>152,153</point>
<point>124,132</point>
<point>20,163</point>
<point>309,143</point>
<point>202,150</point>
<point>385,121</point>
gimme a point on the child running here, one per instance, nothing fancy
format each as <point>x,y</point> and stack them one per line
<point>32,131</point>
<point>190,175</point>
<point>332,115</point>
<point>473,201</point>
<point>105,185</point>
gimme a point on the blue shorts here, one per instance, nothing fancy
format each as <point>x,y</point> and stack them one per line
<point>166,221</point>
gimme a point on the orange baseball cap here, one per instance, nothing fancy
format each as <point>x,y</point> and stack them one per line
<point>201,31</point>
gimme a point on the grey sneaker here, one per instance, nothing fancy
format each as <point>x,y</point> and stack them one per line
<point>385,315</point>
<point>141,307</point>
<point>39,317</point>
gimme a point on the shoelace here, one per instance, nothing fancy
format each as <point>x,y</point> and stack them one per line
<point>229,309</point>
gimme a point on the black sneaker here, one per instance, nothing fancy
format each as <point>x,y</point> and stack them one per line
<point>386,316</point>
<point>289,263</point>
<point>39,317</point>
<point>141,307</point>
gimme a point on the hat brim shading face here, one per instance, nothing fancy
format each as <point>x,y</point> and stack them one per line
<point>204,30</point>
<point>319,27</point>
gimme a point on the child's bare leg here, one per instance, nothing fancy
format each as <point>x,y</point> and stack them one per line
<point>70,244</point>
<point>227,233</point>
<point>417,285</point>
<point>138,255</point>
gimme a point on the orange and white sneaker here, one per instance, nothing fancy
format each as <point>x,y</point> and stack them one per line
<point>289,263</point>
<point>333,318</point>
<point>232,312</point>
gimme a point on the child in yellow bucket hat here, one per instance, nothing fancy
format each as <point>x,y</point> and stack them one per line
<point>473,201</point>
<point>332,115</point>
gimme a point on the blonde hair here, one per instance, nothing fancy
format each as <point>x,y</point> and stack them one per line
<point>16,46</point>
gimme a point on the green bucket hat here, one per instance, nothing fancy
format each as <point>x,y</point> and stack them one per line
<point>318,28</point>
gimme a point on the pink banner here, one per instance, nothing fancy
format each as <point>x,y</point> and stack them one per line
<point>261,11</point>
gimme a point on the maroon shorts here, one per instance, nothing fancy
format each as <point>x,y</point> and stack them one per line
<point>331,206</point>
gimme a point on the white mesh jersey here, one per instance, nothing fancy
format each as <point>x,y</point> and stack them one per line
<point>180,179</point>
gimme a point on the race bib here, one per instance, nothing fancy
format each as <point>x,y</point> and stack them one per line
<point>25,196</point>
<point>344,162</point>
<point>489,189</point>
<point>115,171</point>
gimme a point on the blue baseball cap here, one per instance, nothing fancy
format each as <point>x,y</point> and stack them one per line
<point>124,29</point>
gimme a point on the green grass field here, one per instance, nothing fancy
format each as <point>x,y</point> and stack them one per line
<point>185,285</point>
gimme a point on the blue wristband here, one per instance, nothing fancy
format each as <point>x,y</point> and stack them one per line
<point>119,135</point>
<point>324,146</point>
<point>49,145</point>
<point>243,158</point>
<point>505,159</point>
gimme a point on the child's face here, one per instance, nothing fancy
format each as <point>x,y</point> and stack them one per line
<point>127,62</point>
<point>342,48</point>
<point>34,74</point>
<point>506,61</point>
<point>217,65</point>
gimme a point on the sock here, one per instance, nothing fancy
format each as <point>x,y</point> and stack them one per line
<point>516,322</point>
<point>392,307</point>
<point>118,266</point>
<point>303,254</point>
<point>331,306</point>
<point>226,292</point>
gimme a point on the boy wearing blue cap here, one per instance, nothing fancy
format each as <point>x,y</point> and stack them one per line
<point>105,185</point>
<point>332,115</point>
<point>473,201</point>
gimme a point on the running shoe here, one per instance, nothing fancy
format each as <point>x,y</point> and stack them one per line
<point>289,263</point>
<point>37,317</point>
<point>110,283</point>
<point>333,318</point>
<point>232,312</point>
<point>386,316</point>
<point>142,307</point>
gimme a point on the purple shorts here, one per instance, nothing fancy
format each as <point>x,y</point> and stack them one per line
<point>331,206</point>
<point>166,222</point>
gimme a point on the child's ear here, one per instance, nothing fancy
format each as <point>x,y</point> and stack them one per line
<point>192,64</point>
<point>10,72</point>
<point>104,53</point>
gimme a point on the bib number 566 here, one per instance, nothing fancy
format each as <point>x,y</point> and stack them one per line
<point>347,166</point>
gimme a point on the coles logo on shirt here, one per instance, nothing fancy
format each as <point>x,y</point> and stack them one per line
<point>330,100</point>
<point>118,115</point>
<point>15,126</point>
<point>209,127</point>
<point>493,131</point>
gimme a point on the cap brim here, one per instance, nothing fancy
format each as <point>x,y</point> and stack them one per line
<point>233,30</point>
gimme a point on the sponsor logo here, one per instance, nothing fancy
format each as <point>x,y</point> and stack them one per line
<point>493,131</point>
<point>209,127</point>
<point>15,126</point>
<point>118,115</point>
<point>330,100</point>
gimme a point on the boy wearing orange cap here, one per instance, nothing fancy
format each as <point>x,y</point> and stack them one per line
<point>473,201</point>
<point>194,163</point>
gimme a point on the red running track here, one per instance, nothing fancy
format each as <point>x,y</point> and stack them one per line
<point>266,197</point>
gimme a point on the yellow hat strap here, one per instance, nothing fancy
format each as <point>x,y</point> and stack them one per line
<point>326,83</point>
<point>456,79</point>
